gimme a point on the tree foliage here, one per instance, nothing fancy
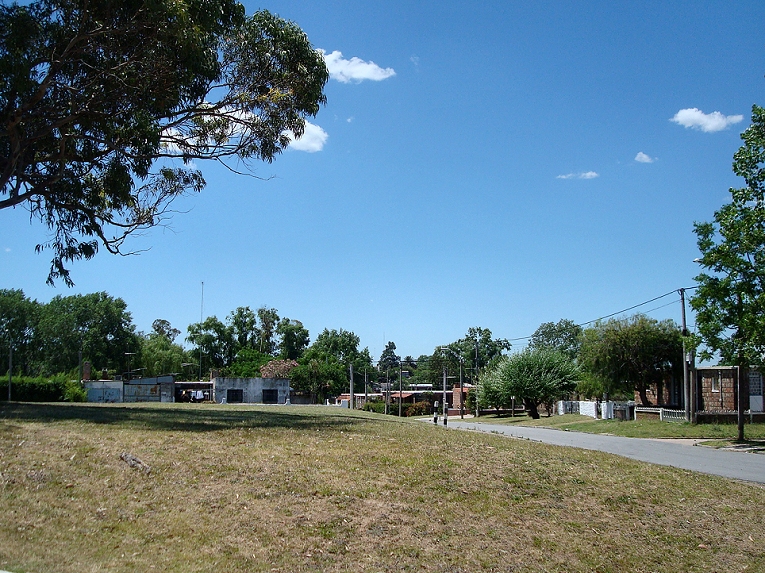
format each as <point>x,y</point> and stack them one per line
<point>628,354</point>
<point>18,323</point>
<point>324,368</point>
<point>98,98</point>
<point>160,355</point>
<point>730,299</point>
<point>564,336</point>
<point>389,360</point>
<point>293,339</point>
<point>533,376</point>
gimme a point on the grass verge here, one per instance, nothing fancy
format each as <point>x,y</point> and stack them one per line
<point>239,488</point>
<point>631,429</point>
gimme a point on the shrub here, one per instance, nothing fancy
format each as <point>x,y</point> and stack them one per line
<point>376,406</point>
<point>418,409</point>
<point>59,388</point>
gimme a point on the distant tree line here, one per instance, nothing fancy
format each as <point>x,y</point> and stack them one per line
<point>617,357</point>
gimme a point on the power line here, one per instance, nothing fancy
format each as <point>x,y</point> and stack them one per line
<point>621,311</point>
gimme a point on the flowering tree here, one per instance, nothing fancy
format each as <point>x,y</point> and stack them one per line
<point>278,369</point>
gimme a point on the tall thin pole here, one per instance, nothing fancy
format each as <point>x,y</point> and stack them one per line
<point>365,386</point>
<point>400,398</point>
<point>462,394</point>
<point>387,390</point>
<point>201,320</point>
<point>686,374</point>
<point>352,396</point>
<point>10,368</point>
<point>446,406</point>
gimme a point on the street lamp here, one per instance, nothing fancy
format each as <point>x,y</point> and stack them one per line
<point>10,362</point>
<point>130,356</point>
<point>462,383</point>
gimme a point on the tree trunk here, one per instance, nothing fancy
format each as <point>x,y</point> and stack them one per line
<point>532,408</point>
<point>644,396</point>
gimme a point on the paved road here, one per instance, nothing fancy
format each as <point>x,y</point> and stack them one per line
<point>736,465</point>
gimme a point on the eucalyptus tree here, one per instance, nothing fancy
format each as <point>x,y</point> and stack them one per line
<point>98,98</point>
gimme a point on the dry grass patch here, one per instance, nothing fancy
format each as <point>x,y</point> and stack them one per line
<point>236,488</point>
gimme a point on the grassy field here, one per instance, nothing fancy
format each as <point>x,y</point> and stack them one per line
<point>634,428</point>
<point>238,488</point>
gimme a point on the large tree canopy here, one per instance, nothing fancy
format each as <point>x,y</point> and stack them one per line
<point>627,354</point>
<point>533,376</point>
<point>730,300</point>
<point>98,98</point>
<point>564,336</point>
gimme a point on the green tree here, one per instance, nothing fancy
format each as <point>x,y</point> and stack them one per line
<point>96,95</point>
<point>324,368</point>
<point>268,319</point>
<point>18,327</point>
<point>564,336</point>
<point>244,326</point>
<point>293,339</point>
<point>162,327</point>
<point>630,354</point>
<point>159,355</point>
<point>476,350</point>
<point>534,376</point>
<point>730,298</point>
<point>389,359</point>
<point>247,363</point>
<point>95,323</point>
<point>214,341</point>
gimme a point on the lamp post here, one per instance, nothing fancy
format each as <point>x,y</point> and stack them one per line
<point>10,366</point>
<point>130,356</point>
<point>462,383</point>
<point>686,376</point>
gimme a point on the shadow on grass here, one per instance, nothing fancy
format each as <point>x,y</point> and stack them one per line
<point>200,418</point>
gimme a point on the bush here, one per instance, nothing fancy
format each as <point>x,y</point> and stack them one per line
<point>74,392</point>
<point>59,388</point>
<point>377,406</point>
<point>418,409</point>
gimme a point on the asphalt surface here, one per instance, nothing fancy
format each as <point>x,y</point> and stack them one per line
<point>735,465</point>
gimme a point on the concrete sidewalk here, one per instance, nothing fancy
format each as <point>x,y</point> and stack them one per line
<point>735,465</point>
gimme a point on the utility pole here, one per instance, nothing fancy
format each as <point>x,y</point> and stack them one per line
<point>387,390</point>
<point>352,402</point>
<point>10,368</point>
<point>462,394</point>
<point>201,319</point>
<point>686,374</point>
<point>446,406</point>
<point>400,400</point>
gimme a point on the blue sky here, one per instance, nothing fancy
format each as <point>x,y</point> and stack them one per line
<point>493,164</point>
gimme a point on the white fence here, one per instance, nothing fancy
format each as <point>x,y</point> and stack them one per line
<point>595,410</point>
<point>665,414</point>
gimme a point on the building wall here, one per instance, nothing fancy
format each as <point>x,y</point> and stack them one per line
<point>252,389</point>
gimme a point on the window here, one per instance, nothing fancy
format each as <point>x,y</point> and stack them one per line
<point>235,396</point>
<point>716,382</point>
<point>270,396</point>
<point>755,383</point>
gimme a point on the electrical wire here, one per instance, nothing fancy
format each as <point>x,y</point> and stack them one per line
<point>622,311</point>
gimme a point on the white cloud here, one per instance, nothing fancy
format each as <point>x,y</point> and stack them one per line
<point>312,140</point>
<point>584,175</point>
<point>350,119</point>
<point>355,69</point>
<point>707,122</point>
<point>643,158</point>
